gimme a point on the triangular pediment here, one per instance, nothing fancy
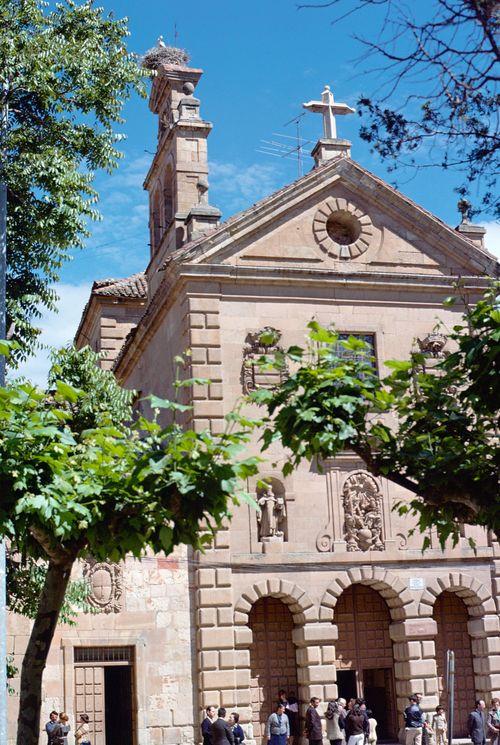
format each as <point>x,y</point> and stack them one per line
<point>340,217</point>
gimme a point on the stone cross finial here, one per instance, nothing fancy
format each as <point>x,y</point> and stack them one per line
<point>329,108</point>
<point>464,207</point>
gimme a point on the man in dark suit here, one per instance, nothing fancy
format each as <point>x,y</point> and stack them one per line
<point>221,731</point>
<point>476,723</point>
<point>206,724</point>
<point>313,728</point>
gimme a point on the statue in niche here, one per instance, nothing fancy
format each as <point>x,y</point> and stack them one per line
<point>262,343</point>
<point>362,502</point>
<point>271,516</point>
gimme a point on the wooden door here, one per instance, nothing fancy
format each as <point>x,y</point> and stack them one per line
<point>272,659</point>
<point>89,699</point>
<point>451,615</point>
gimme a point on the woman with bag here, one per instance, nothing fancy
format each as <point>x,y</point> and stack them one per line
<point>83,731</point>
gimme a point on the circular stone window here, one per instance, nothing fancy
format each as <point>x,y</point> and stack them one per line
<point>341,229</point>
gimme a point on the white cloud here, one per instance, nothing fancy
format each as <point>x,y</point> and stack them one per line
<point>57,329</point>
<point>492,237</point>
<point>235,187</point>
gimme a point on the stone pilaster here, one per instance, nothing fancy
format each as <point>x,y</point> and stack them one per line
<point>485,642</point>
<point>316,672</point>
<point>415,661</point>
<point>223,650</point>
<point>206,362</point>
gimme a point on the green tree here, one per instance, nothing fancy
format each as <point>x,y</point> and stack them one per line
<point>25,581</point>
<point>65,74</point>
<point>432,431</point>
<point>77,477</point>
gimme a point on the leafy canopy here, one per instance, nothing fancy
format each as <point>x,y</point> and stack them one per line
<point>77,475</point>
<point>65,74</point>
<point>432,431</point>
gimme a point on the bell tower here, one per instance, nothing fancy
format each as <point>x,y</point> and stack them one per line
<point>177,181</point>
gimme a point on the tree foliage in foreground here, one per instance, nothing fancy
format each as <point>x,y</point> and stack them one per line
<point>437,70</point>
<point>25,580</point>
<point>432,431</point>
<point>77,477</point>
<point>65,74</point>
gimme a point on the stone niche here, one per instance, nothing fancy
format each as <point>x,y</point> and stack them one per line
<point>272,517</point>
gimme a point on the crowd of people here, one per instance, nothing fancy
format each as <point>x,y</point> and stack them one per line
<point>350,723</point>
<point>347,723</point>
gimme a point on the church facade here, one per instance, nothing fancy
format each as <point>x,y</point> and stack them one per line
<point>323,591</point>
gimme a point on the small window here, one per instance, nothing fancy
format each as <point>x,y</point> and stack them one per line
<point>347,354</point>
<point>103,654</point>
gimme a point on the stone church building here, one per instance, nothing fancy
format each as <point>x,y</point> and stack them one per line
<point>324,591</point>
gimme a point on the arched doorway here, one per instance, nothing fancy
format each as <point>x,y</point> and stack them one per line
<point>451,616</point>
<point>272,659</point>
<point>364,658</point>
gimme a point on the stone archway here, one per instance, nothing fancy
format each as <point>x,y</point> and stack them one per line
<point>451,616</point>
<point>272,658</point>
<point>364,654</point>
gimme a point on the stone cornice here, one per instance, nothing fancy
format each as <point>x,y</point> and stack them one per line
<point>176,275</point>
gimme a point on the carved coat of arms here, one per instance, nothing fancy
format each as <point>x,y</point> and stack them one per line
<point>258,344</point>
<point>105,580</point>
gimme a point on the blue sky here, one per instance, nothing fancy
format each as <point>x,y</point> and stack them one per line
<point>261,61</point>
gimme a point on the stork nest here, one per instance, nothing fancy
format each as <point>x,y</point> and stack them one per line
<point>163,55</point>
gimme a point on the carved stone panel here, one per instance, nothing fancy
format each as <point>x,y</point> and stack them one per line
<point>105,581</point>
<point>363,519</point>
<point>433,345</point>
<point>264,342</point>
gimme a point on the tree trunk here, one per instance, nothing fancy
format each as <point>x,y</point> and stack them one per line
<point>35,658</point>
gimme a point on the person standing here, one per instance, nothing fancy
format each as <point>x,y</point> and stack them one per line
<point>313,729</point>
<point>82,732</point>
<point>51,725</point>
<point>221,732</point>
<point>494,722</point>
<point>64,728</point>
<point>372,728</point>
<point>278,726</point>
<point>334,724</point>
<point>476,723</point>
<point>206,725</point>
<point>238,733</point>
<point>356,726</point>
<point>292,712</point>
<point>414,722</point>
<point>282,697</point>
<point>440,726</point>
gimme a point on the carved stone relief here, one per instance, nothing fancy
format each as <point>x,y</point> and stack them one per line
<point>271,515</point>
<point>105,581</point>
<point>363,519</point>
<point>257,344</point>
<point>433,345</point>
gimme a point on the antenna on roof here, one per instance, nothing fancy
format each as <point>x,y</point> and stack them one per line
<point>176,34</point>
<point>283,149</point>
